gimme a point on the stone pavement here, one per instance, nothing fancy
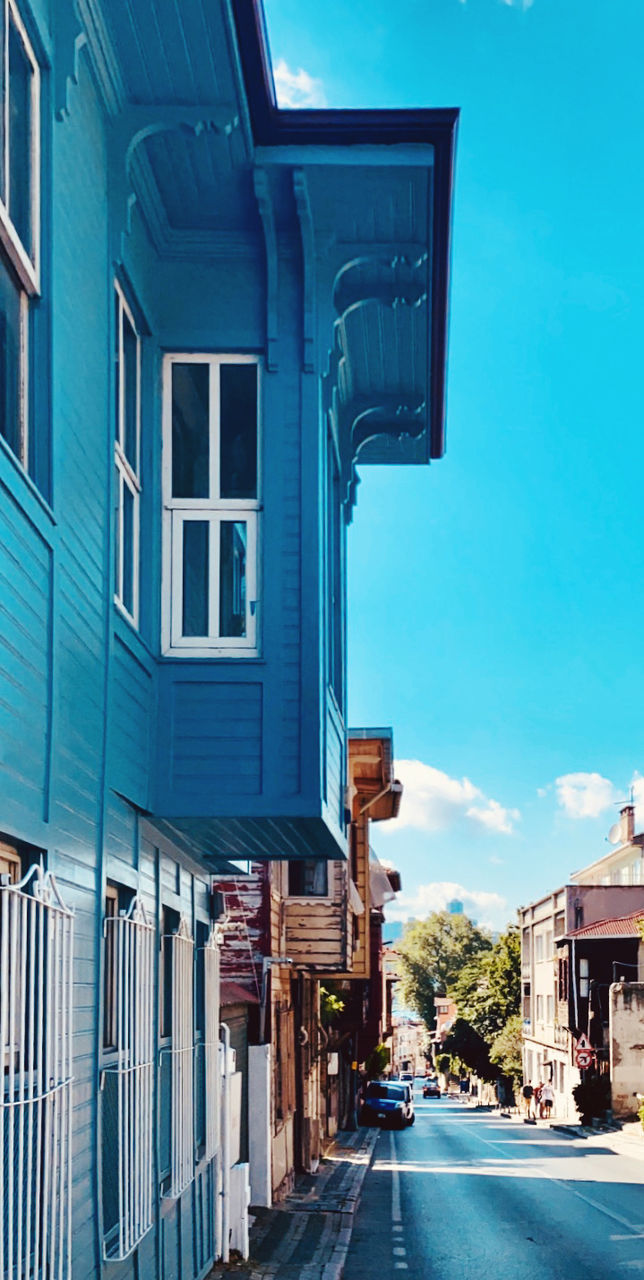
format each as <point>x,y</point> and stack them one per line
<point>306,1236</point>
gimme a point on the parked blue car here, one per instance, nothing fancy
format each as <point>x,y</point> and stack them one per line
<point>388,1104</point>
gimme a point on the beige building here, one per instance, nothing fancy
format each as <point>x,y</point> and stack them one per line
<point>612,886</point>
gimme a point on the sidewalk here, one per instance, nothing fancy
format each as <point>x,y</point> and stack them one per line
<point>624,1139</point>
<point>307,1235</point>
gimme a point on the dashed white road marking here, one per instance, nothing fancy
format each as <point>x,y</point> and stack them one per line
<point>396,1215</point>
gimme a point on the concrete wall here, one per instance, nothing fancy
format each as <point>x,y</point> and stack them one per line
<point>626,1046</point>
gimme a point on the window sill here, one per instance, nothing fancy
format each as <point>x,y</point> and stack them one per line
<point>213,655</point>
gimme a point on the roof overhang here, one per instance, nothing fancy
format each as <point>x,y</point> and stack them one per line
<point>423,137</point>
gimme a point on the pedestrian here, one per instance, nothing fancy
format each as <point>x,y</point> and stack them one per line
<point>527,1092</point>
<point>537,1100</point>
<point>547,1100</point>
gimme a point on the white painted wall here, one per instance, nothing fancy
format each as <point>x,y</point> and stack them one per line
<point>626,1030</point>
<point>259,1123</point>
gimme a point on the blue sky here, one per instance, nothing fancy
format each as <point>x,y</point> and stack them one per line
<point>496,610</point>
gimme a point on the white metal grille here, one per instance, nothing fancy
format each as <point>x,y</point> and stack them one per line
<point>36,937</point>
<point>211,1043</point>
<point>131,948</point>
<point>182,1059</point>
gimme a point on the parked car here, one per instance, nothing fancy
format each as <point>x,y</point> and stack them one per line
<point>431,1089</point>
<point>388,1103</point>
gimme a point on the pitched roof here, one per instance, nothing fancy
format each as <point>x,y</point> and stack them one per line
<point>614,927</point>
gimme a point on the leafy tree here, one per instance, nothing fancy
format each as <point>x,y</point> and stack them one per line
<point>433,952</point>
<point>466,1045</point>
<point>506,1049</point>
<point>487,991</point>
<point>331,1006</point>
<point>378,1060</point>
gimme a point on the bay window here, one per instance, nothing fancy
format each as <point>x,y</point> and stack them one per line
<point>127,484</point>
<point>19,224</point>
<point>211,504</point>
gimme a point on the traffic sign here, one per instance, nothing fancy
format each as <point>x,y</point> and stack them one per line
<point>583,1052</point>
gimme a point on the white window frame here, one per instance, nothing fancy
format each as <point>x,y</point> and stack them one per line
<point>213,511</point>
<point>127,476</point>
<point>25,267</point>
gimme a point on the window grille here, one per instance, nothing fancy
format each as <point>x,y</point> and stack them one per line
<point>36,937</point>
<point>182,1168</point>
<point>211,1043</point>
<point>129,940</point>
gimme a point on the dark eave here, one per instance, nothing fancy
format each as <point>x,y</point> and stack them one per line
<point>275,127</point>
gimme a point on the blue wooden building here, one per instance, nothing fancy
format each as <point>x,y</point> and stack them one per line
<point>211,312</point>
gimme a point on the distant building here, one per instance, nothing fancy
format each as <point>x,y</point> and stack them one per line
<point>561,957</point>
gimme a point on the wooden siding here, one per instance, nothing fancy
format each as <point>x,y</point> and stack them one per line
<point>132,715</point>
<point>316,928</point>
<point>25,660</point>
<point>216,738</point>
<point>335,766</point>
<point>245,932</point>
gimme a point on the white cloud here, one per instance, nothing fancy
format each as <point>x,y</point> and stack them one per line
<point>584,795</point>
<point>433,801</point>
<point>435,897</point>
<point>494,816</point>
<point>297,88</point>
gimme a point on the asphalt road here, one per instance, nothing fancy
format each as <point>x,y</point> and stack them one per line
<point>464,1195</point>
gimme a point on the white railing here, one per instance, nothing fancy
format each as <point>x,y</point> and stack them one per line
<point>131,947</point>
<point>182,1129</point>
<point>36,938</point>
<point>212,1076</point>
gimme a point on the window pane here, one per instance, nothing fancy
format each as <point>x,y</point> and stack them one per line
<point>130,362</point>
<point>128,549</point>
<point>307,878</point>
<point>10,426</point>
<point>238,431</point>
<point>195,578</point>
<point>20,176</point>
<point>232,578</point>
<point>190,431</point>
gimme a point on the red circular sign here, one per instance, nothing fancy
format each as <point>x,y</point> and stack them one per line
<point>583,1058</point>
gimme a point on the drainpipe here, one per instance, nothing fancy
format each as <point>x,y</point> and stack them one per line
<point>224,1032</point>
<point>573,975</point>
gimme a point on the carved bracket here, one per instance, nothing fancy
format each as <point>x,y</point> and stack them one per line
<point>69,39</point>
<point>136,123</point>
<point>267,214</point>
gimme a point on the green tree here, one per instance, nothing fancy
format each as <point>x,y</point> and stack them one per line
<point>487,991</point>
<point>506,1049</point>
<point>470,1049</point>
<point>433,952</point>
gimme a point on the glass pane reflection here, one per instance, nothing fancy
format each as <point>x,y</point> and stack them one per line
<point>195,578</point>
<point>232,578</point>
<point>190,431</point>
<point>238,431</point>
